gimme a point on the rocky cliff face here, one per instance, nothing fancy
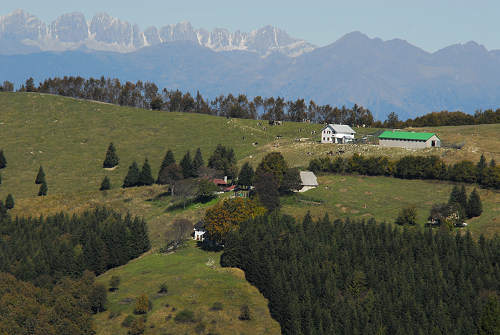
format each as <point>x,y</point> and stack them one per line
<point>103,32</point>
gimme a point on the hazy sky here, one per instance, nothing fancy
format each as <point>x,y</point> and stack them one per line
<point>429,24</point>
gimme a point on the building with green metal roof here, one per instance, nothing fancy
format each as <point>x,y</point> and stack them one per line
<point>407,139</point>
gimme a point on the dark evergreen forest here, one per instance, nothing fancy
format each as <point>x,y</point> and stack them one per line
<point>356,277</point>
<point>43,250</point>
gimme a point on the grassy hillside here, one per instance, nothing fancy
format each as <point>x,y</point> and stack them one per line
<point>195,282</point>
<point>69,138</point>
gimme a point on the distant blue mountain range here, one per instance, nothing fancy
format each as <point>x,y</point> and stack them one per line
<point>384,76</point>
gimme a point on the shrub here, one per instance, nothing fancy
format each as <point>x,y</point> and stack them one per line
<point>40,177</point>
<point>163,288</point>
<point>9,202</point>
<point>3,161</point>
<point>184,316</point>
<point>200,328</point>
<point>111,159</point>
<point>142,305</point>
<point>114,282</point>
<point>43,189</point>
<point>407,215</point>
<point>105,184</point>
<point>113,315</point>
<point>244,313</point>
<point>217,306</point>
<point>137,327</point>
<point>127,322</point>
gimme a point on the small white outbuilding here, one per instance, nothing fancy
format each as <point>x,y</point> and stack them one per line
<point>309,181</point>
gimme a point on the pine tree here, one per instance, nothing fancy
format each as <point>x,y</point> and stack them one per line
<point>43,189</point>
<point>489,323</point>
<point>132,178</point>
<point>3,161</point>
<point>40,177</point>
<point>246,176</point>
<point>3,210</point>
<point>146,178</point>
<point>481,169</point>
<point>493,163</point>
<point>454,196</point>
<point>105,184</point>
<point>474,205</point>
<point>167,161</point>
<point>187,165</point>
<point>111,159</point>
<point>9,201</point>
<point>197,162</point>
<point>462,197</point>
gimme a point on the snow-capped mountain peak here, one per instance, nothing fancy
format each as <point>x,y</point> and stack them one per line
<point>104,32</point>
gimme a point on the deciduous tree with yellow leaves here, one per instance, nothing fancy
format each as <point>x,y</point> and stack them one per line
<point>227,215</point>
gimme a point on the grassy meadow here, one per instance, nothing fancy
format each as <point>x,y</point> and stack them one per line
<point>195,282</point>
<point>69,139</point>
<point>382,198</point>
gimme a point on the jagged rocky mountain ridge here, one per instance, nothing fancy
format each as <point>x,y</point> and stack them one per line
<point>21,32</point>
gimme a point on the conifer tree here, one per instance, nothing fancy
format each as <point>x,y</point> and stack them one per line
<point>145,177</point>
<point>454,195</point>
<point>167,161</point>
<point>111,159</point>
<point>197,162</point>
<point>132,178</point>
<point>40,177</point>
<point>43,189</point>
<point>3,210</point>
<point>246,176</point>
<point>462,197</point>
<point>105,184</point>
<point>474,205</point>
<point>493,163</point>
<point>187,165</point>
<point>481,169</point>
<point>9,201</point>
<point>3,161</point>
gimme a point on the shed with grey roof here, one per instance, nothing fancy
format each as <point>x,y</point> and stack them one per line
<point>309,180</point>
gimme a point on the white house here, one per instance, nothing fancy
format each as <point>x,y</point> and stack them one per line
<point>199,231</point>
<point>309,181</point>
<point>337,133</point>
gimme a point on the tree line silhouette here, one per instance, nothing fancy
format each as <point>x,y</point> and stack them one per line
<point>147,95</point>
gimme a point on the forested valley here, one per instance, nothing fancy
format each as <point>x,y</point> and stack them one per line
<point>357,277</point>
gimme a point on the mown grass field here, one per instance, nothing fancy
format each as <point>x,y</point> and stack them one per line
<point>382,198</point>
<point>195,282</point>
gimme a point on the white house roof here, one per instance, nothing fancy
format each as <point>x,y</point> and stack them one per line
<point>308,178</point>
<point>341,128</point>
